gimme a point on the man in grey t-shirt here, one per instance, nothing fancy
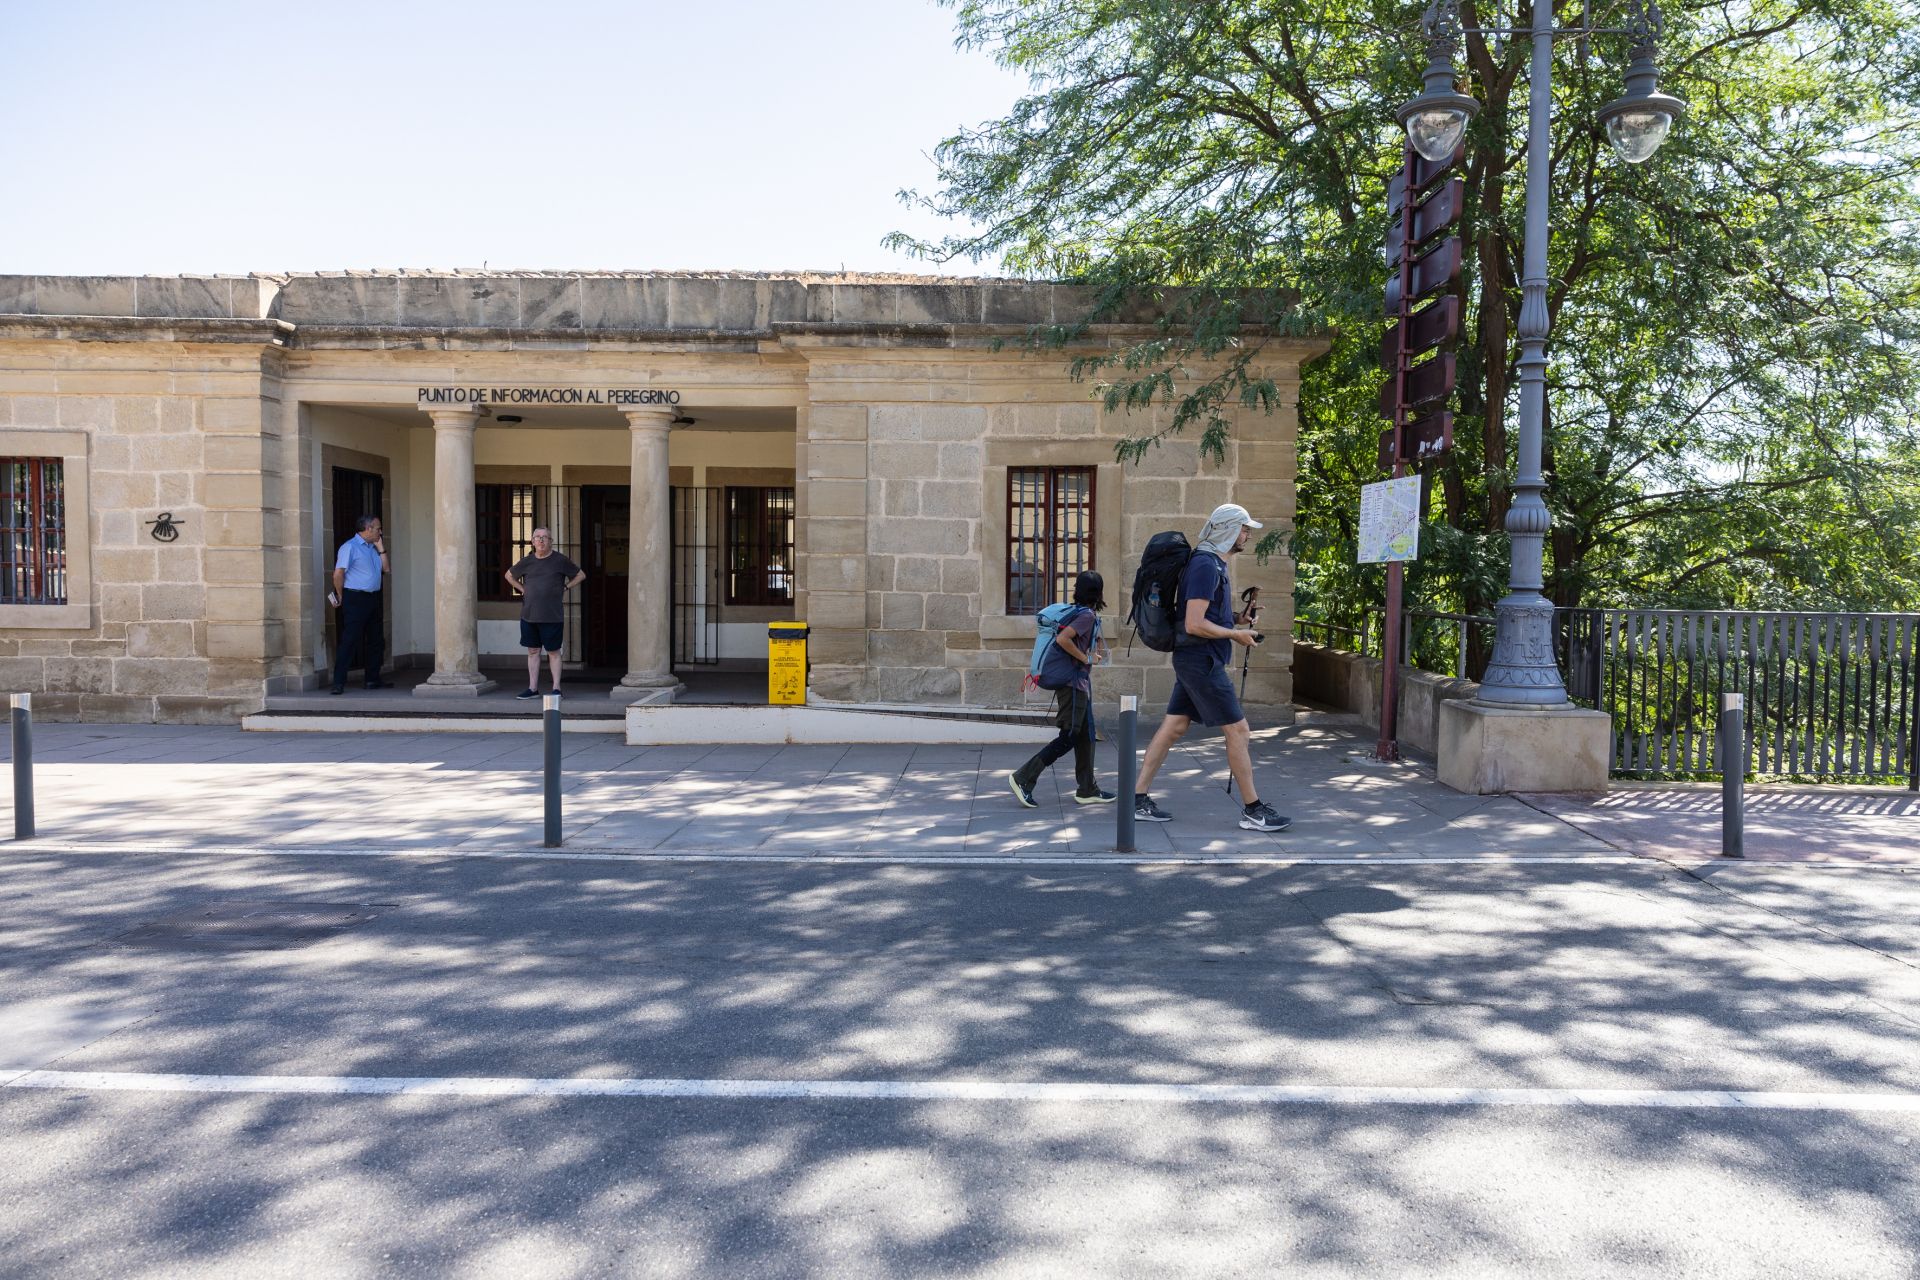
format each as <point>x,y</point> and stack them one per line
<point>541,579</point>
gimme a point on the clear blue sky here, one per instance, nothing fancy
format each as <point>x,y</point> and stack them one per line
<point>210,135</point>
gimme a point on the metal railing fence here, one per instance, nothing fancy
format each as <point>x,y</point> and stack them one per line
<point>1834,696</point>
<point>1828,695</point>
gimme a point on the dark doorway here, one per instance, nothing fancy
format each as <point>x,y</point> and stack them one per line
<point>355,494</point>
<point>606,525</point>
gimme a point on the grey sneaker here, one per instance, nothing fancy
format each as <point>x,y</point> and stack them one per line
<point>1021,791</point>
<point>1262,818</point>
<point>1145,810</point>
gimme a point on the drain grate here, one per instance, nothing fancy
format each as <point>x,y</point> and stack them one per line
<point>250,926</point>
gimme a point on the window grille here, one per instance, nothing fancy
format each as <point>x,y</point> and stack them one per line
<point>1049,534</point>
<point>759,546</point>
<point>33,539</point>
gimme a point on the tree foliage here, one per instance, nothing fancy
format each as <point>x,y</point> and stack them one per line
<point>1733,416</point>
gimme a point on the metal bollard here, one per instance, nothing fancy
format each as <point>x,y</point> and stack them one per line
<point>550,730</point>
<point>1129,773</point>
<point>23,766</point>
<point>1733,774</point>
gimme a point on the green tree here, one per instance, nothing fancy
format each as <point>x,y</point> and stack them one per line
<point>1734,415</point>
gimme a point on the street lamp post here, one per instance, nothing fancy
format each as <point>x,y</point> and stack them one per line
<point>1523,672</point>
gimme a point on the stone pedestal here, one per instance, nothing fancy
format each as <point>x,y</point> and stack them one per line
<point>456,640</point>
<point>1484,750</point>
<point>650,563</point>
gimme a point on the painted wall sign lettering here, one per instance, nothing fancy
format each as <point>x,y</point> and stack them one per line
<point>546,395</point>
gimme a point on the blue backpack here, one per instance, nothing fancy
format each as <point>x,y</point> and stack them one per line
<point>1051,667</point>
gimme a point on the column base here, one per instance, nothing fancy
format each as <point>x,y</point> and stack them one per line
<point>648,690</point>
<point>1485,750</point>
<point>454,684</point>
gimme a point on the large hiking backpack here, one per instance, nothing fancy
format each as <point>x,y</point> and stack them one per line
<point>1156,591</point>
<point>1051,667</point>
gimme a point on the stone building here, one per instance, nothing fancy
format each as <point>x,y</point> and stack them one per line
<point>180,457</point>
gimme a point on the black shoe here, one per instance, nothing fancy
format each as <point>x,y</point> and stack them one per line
<point>1096,796</point>
<point>338,689</point>
<point>379,684</point>
<point>1145,810</point>
<point>525,694</point>
<point>1262,818</point>
<point>1021,791</point>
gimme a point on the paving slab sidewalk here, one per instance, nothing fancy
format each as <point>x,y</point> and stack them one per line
<point>150,786</point>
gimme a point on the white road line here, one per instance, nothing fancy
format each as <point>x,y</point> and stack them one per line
<point>959,1091</point>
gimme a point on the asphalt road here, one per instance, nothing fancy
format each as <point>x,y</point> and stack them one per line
<point>677,977</point>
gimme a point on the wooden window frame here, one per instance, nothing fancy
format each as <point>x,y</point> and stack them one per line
<point>753,526</point>
<point>504,518</point>
<point>1062,533</point>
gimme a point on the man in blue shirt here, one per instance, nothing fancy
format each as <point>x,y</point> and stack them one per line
<point>357,571</point>
<point>1202,666</point>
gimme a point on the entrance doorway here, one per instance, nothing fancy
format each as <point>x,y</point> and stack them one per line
<point>605,519</point>
<point>355,494</point>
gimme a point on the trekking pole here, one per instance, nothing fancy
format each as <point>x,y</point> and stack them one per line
<point>23,766</point>
<point>550,729</point>
<point>1251,599</point>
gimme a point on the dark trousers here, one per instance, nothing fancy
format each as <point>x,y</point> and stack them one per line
<point>359,636</point>
<point>1075,720</point>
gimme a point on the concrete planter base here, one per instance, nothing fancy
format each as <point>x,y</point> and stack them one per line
<point>1485,750</point>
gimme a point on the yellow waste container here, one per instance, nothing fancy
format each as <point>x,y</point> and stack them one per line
<point>787,662</point>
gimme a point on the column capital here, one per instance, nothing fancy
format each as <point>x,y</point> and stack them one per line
<point>650,417</point>
<point>453,417</point>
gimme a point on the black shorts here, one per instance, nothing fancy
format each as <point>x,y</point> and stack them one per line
<point>1203,689</point>
<point>541,635</point>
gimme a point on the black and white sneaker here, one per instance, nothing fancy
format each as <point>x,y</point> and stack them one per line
<point>1093,797</point>
<point>1145,810</point>
<point>527,694</point>
<point>1261,817</point>
<point>1021,792</point>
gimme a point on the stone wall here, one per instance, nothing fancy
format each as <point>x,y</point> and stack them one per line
<point>903,532</point>
<point>1350,682</point>
<point>187,630</point>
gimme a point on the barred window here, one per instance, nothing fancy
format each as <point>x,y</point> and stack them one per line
<point>33,539</point>
<point>504,514</point>
<point>1049,534</point>
<point>759,545</point>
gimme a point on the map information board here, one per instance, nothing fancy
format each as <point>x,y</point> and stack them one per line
<point>1390,520</point>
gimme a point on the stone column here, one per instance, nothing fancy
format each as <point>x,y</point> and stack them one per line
<point>649,564</point>
<point>456,646</point>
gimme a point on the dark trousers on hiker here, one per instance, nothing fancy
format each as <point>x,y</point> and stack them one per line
<point>1075,720</point>
<point>359,636</point>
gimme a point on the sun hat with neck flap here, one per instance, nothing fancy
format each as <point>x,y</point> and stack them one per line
<point>1223,528</point>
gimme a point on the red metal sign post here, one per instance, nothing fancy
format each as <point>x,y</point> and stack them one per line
<point>1424,203</point>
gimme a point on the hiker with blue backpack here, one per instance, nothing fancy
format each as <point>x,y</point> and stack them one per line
<point>1064,652</point>
<point>1183,605</point>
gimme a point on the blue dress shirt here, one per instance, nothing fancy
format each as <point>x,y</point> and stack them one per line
<point>361,562</point>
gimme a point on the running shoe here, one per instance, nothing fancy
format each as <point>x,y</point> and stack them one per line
<point>1145,810</point>
<point>1262,818</point>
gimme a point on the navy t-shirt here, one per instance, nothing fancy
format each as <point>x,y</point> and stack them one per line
<point>1206,579</point>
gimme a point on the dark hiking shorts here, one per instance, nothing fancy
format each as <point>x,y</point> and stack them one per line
<point>1203,689</point>
<point>541,635</point>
